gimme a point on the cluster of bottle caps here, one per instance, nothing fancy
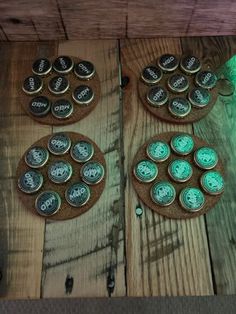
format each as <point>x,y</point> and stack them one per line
<point>59,172</point>
<point>58,85</point>
<point>178,92</point>
<point>163,193</point>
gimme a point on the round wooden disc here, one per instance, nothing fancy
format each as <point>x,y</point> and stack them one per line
<point>174,211</point>
<point>80,111</point>
<point>66,211</point>
<point>162,112</point>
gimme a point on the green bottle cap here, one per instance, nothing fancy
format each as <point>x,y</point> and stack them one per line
<point>60,171</point>
<point>182,144</point>
<point>212,182</point>
<point>157,96</point>
<point>30,181</point>
<point>36,157</point>
<point>190,64</point>
<point>206,158</point>
<point>59,144</point>
<point>151,74</point>
<point>199,97</point>
<point>48,203</point>
<point>192,199</point>
<point>92,172</point>
<point>146,171</point>
<point>158,151</point>
<point>78,194</point>
<point>206,79</point>
<point>180,170</point>
<point>163,193</point>
<point>178,83</point>
<point>179,107</point>
<point>82,151</point>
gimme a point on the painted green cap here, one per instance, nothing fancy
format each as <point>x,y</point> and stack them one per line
<point>182,144</point>
<point>82,151</point>
<point>78,194</point>
<point>146,171</point>
<point>60,171</point>
<point>158,151</point>
<point>192,199</point>
<point>163,193</point>
<point>30,181</point>
<point>36,157</point>
<point>206,158</point>
<point>179,107</point>
<point>180,170</point>
<point>92,172</point>
<point>48,203</point>
<point>59,144</point>
<point>212,182</point>
<point>151,74</point>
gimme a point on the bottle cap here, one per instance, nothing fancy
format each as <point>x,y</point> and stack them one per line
<point>163,193</point>
<point>146,171</point>
<point>158,151</point>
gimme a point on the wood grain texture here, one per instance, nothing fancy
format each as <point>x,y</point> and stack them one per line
<point>219,129</point>
<point>78,254</point>
<point>164,257</point>
<point>61,19</point>
<point>21,234</point>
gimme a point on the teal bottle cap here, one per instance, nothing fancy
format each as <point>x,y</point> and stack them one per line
<point>157,96</point>
<point>199,97</point>
<point>163,193</point>
<point>158,151</point>
<point>182,144</point>
<point>62,109</point>
<point>78,194</point>
<point>190,64</point>
<point>82,151</point>
<point>59,144</point>
<point>206,79</point>
<point>146,171</point>
<point>151,74</point>
<point>178,83</point>
<point>60,171</point>
<point>212,182</point>
<point>192,199</point>
<point>180,170</point>
<point>92,172</point>
<point>206,158</point>
<point>36,157</point>
<point>30,181</point>
<point>179,107</point>
<point>48,203</point>
<point>168,62</point>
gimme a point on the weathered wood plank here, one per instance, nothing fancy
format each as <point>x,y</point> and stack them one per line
<point>79,253</point>
<point>219,129</point>
<point>21,233</point>
<point>164,257</point>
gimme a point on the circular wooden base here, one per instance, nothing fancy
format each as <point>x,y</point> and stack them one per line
<point>174,211</point>
<point>66,211</point>
<point>80,111</point>
<point>163,112</point>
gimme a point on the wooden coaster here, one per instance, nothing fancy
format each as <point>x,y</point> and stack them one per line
<point>174,211</point>
<point>162,112</point>
<point>80,111</point>
<point>66,211</point>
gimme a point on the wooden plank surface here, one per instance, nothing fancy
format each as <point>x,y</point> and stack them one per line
<point>21,233</point>
<point>164,257</point>
<point>78,254</point>
<point>61,19</point>
<point>219,129</point>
